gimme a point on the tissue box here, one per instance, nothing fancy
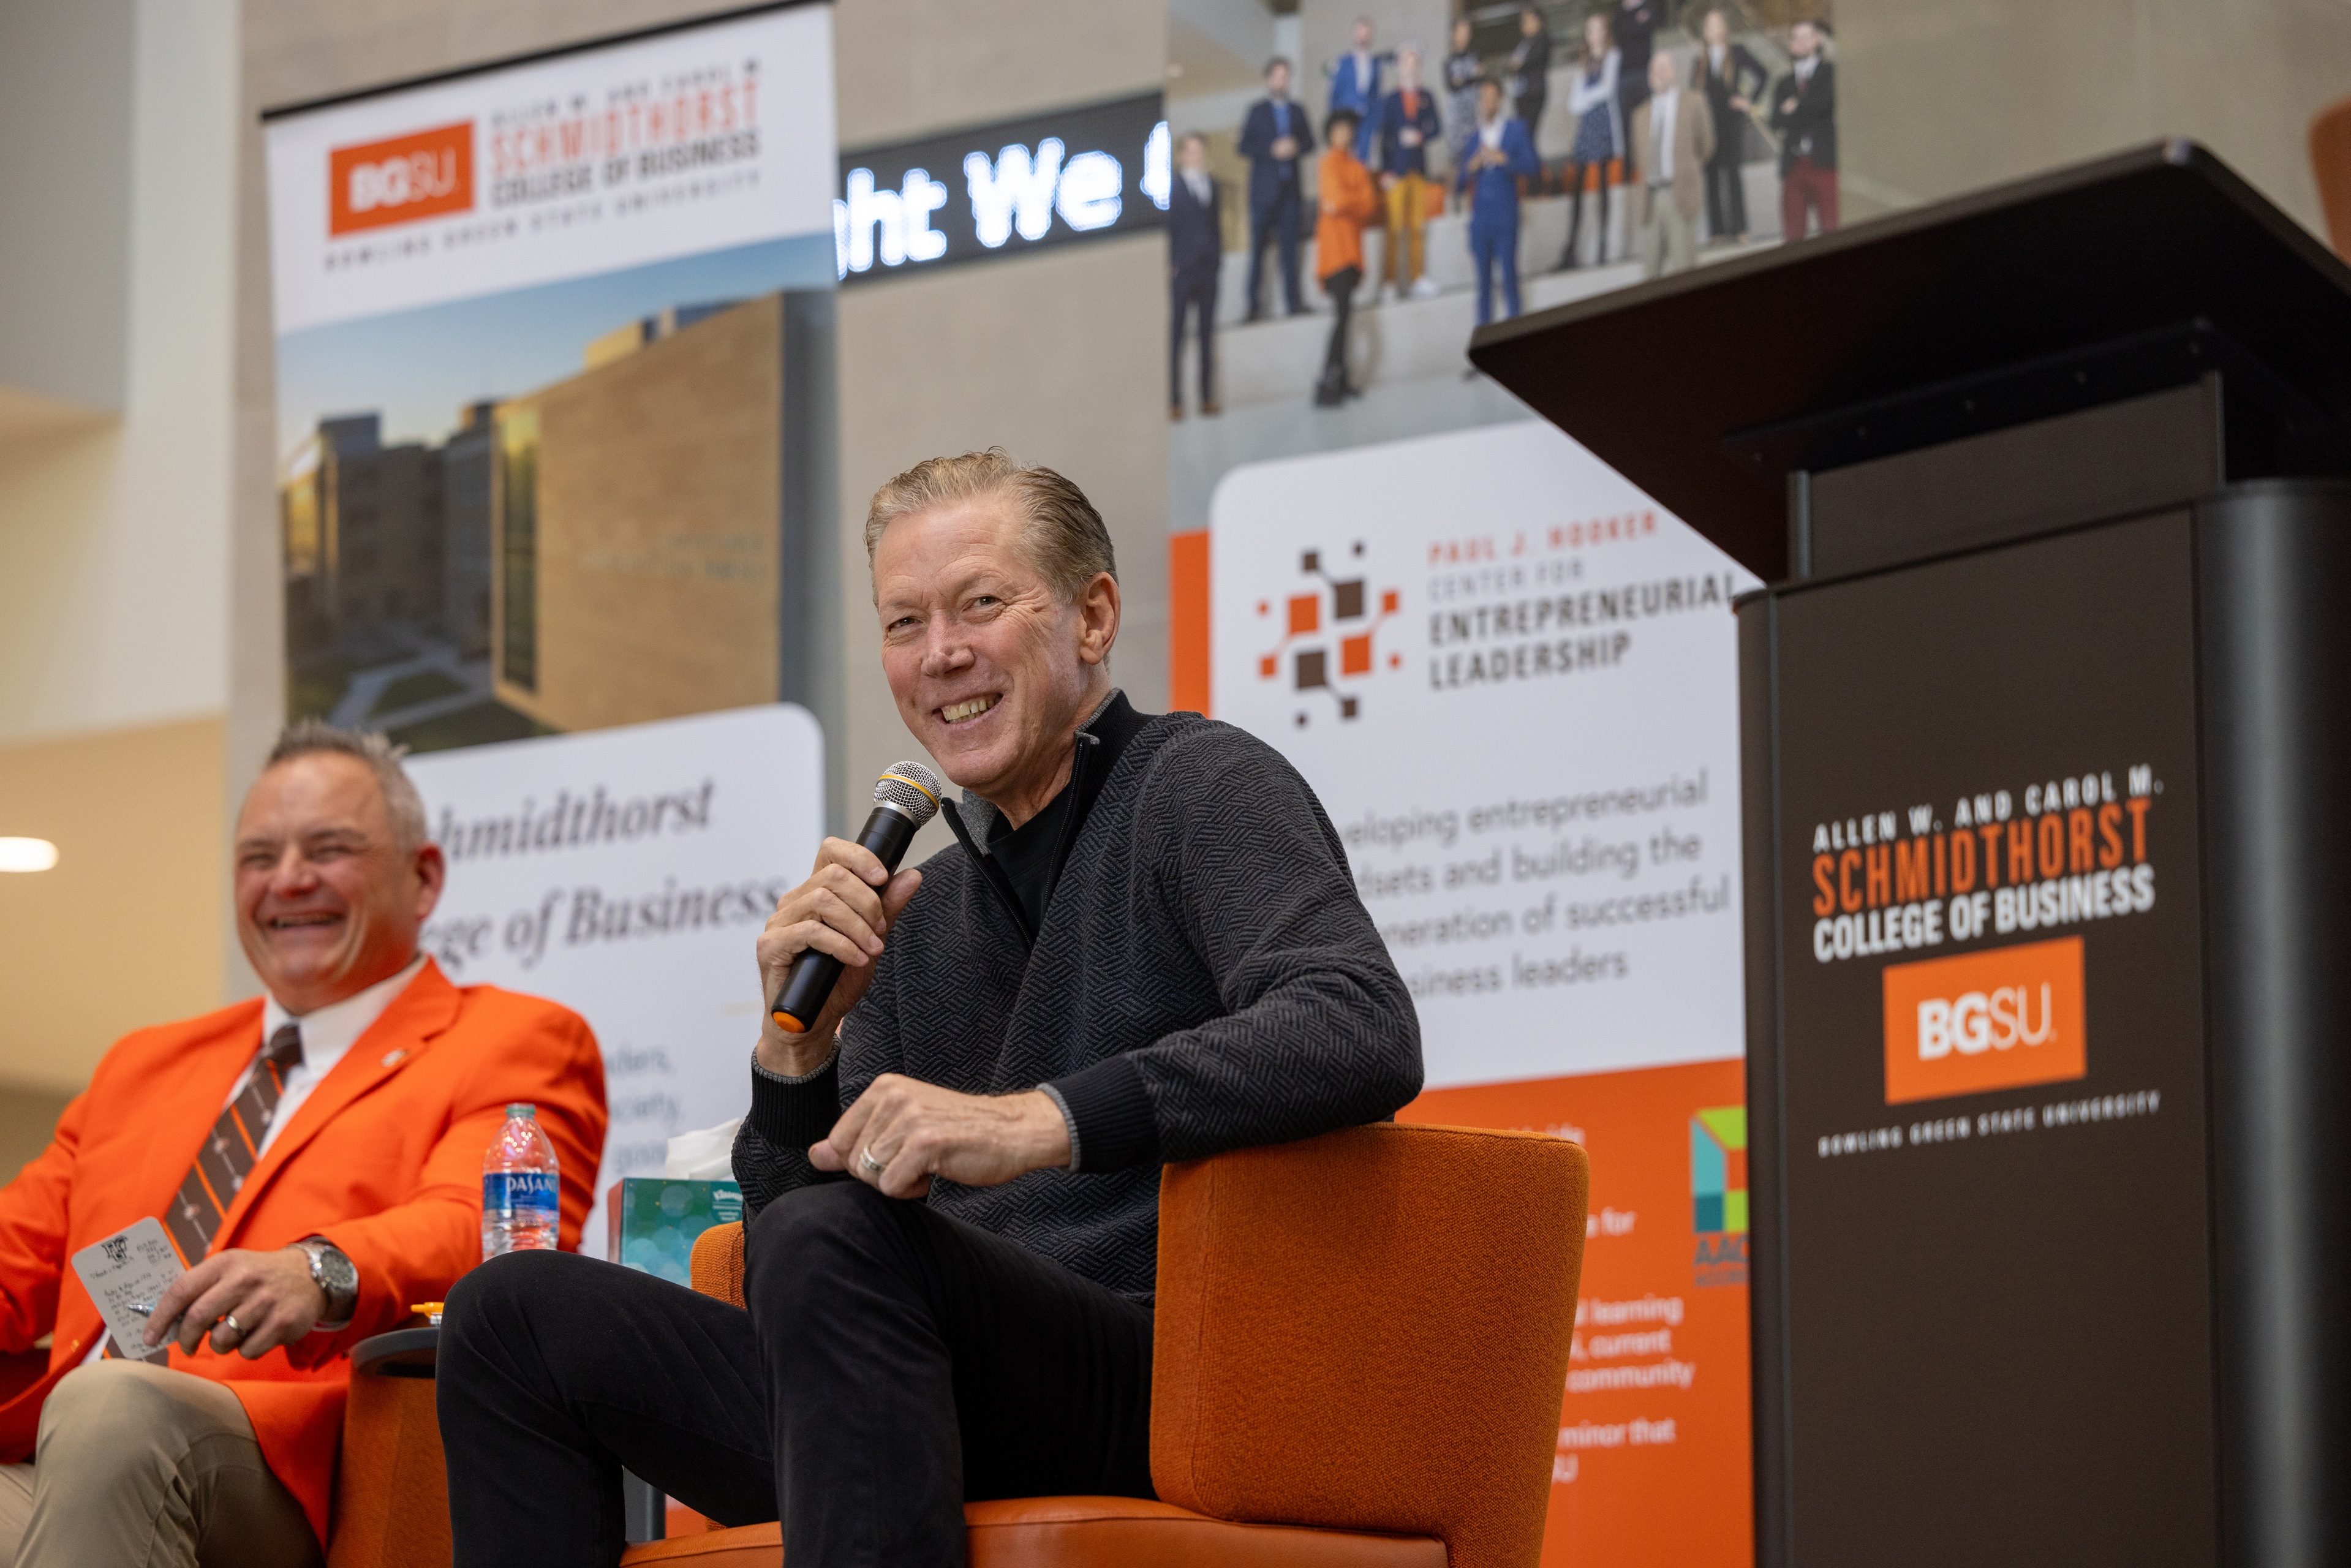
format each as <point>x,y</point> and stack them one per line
<point>653,1221</point>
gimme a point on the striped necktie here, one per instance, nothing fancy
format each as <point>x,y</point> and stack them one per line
<point>230,1150</point>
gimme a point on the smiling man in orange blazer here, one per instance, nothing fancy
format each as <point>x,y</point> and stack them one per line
<point>317,1158</point>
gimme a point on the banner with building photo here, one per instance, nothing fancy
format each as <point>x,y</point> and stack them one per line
<point>1512,678</point>
<point>533,346</point>
<point>535,334</point>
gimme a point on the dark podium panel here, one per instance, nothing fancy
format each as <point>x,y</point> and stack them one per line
<point>2046,769</point>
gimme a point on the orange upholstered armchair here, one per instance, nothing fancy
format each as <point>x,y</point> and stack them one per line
<point>1361,1343</point>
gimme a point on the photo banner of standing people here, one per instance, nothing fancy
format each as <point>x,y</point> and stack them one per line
<point>1519,158</point>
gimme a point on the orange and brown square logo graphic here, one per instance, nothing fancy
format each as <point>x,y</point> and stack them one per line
<point>422,174</point>
<point>1981,1022</point>
<point>1332,611</point>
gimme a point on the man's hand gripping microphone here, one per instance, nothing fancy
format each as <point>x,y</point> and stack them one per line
<point>905,798</point>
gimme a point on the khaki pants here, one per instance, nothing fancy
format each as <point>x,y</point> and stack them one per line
<point>138,1466</point>
<point>1409,200</point>
<point>1668,239</point>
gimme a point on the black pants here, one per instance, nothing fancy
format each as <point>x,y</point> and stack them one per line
<point>1726,194</point>
<point>1340,286</point>
<point>1530,113</point>
<point>1575,212</point>
<point>1193,290</point>
<point>893,1363</point>
<point>1275,222</point>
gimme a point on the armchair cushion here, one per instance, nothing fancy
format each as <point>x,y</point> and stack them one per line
<point>1369,1331</point>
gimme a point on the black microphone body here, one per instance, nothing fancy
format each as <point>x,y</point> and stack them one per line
<point>888,831</point>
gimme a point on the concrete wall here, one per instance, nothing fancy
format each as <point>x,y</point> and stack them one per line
<point>113,605</point>
<point>1935,98</point>
<point>65,75</point>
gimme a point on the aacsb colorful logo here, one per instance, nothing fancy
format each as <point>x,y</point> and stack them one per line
<point>1981,1022</point>
<point>1719,1194</point>
<point>1336,607</point>
<point>419,175</point>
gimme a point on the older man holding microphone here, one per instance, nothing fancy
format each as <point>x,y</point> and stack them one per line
<point>1144,946</point>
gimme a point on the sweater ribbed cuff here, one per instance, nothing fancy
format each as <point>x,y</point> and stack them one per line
<point>1109,1116</point>
<point>796,1112</point>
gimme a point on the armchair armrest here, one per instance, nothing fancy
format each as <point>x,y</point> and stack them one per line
<point>392,1497</point>
<point>717,1266</point>
<point>1369,1331</point>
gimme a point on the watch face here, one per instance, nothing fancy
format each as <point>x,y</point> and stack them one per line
<point>337,1272</point>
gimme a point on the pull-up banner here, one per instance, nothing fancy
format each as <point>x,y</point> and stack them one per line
<point>1511,677</point>
<point>535,335</point>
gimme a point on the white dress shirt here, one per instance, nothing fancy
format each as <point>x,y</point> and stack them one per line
<point>327,1035</point>
<point>1662,108</point>
<point>1196,180</point>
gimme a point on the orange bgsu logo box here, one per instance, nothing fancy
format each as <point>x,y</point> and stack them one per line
<point>419,175</point>
<point>1981,1022</point>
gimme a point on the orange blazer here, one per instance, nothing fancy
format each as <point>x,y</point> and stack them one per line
<point>1346,189</point>
<point>383,1159</point>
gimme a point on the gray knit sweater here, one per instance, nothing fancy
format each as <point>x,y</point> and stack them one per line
<point>1206,978</point>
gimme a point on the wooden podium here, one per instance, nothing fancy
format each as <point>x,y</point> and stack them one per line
<point>2046,772</point>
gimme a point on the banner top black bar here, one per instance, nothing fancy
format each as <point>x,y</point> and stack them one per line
<point>508,62</point>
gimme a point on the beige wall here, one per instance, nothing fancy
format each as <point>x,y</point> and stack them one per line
<point>122,933</point>
<point>1935,97</point>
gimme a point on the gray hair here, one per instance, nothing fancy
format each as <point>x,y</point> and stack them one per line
<point>1067,540</point>
<point>401,803</point>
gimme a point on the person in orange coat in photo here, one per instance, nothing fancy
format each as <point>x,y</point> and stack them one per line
<point>315,1156</point>
<point>1348,201</point>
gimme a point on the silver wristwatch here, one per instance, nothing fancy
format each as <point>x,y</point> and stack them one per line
<point>337,1278</point>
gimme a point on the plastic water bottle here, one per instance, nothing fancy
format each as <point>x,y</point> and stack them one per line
<point>519,1187</point>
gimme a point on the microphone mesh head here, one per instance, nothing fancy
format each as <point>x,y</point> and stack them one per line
<point>910,787</point>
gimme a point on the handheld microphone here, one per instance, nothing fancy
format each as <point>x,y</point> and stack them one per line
<point>905,798</point>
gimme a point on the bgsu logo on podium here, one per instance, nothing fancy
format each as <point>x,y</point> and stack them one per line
<point>1979,1021</point>
<point>419,175</point>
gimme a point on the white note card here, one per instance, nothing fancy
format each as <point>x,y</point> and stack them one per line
<point>126,1274</point>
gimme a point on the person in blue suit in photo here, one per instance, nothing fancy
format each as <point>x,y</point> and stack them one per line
<point>1355,86</point>
<point>1498,157</point>
<point>1274,138</point>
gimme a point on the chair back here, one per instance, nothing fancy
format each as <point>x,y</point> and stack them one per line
<point>1369,1331</point>
<point>2330,161</point>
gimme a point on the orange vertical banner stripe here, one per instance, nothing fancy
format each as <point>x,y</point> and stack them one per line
<point>1187,622</point>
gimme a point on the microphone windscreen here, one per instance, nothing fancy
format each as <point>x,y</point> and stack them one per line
<point>912,789</point>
